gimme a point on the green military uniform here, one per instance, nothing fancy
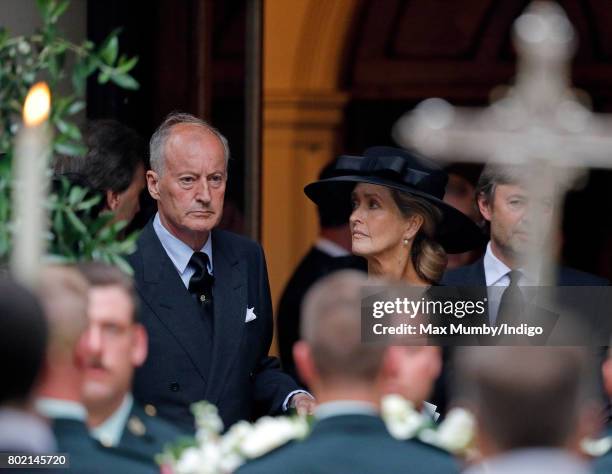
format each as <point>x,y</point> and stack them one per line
<point>352,444</point>
<point>144,435</point>
<point>87,456</point>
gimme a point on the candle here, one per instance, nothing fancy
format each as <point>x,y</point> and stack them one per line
<point>30,186</point>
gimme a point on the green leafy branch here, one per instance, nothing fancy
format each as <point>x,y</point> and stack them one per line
<point>80,231</point>
<point>47,55</point>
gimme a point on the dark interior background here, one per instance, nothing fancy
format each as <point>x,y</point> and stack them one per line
<point>192,58</point>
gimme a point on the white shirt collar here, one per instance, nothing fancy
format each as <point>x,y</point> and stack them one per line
<point>495,269</point>
<point>344,407</point>
<point>179,252</point>
<point>110,431</point>
<point>56,408</point>
<point>331,248</point>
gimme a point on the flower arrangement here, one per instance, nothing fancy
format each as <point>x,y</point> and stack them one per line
<point>211,452</point>
<point>455,434</point>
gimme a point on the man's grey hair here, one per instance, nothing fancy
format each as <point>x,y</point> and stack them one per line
<point>526,397</point>
<point>331,326</point>
<point>157,145</point>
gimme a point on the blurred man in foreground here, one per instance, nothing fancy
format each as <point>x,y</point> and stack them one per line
<point>533,406</point>
<point>23,340</point>
<point>115,344</point>
<point>63,293</point>
<point>348,378</point>
<point>414,378</point>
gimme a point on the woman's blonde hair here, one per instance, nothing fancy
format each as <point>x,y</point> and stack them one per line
<point>428,256</point>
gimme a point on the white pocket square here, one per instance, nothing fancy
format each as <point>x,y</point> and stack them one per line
<point>250,315</point>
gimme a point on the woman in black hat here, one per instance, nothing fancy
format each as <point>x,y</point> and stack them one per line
<point>399,222</point>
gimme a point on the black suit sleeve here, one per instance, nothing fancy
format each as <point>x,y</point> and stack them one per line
<point>270,384</point>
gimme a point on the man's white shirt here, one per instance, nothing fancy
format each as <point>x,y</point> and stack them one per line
<point>110,431</point>
<point>497,279</point>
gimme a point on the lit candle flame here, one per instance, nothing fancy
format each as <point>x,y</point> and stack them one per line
<point>37,105</point>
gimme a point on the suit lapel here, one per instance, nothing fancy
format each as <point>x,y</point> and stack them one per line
<point>477,273</point>
<point>168,298</point>
<point>476,290</point>
<point>230,304</point>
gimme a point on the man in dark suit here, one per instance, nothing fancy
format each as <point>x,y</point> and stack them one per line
<point>330,253</point>
<point>504,203</point>
<point>205,293</point>
<point>63,293</point>
<point>349,378</point>
<point>115,343</point>
<point>502,278</point>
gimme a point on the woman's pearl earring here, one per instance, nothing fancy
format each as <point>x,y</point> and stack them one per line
<point>406,241</point>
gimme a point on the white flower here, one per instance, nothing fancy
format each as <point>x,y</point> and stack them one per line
<point>596,447</point>
<point>269,433</point>
<point>190,462</point>
<point>301,427</point>
<point>395,406</point>
<point>230,462</point>
<point>207,420</point>
<point>456,432</point>
<point>211,454</point>
<point>235,436</point>
<point>402,420</point>
<point>223,454</point>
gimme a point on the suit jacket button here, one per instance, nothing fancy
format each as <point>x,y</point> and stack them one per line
<point>175,387</point>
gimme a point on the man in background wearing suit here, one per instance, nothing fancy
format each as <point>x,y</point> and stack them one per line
<point>114,166</point>
<point>349,378</point>
<point>330,253</point>
<point>115,344</point>
<point>533,406</point>
<point>204,292</point>
<point>504,203</point>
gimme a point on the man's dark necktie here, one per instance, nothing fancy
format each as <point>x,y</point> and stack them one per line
<point>512,302</point>
<point>201,283</point>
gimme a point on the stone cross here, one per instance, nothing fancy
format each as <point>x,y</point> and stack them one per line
<point>538,122</point>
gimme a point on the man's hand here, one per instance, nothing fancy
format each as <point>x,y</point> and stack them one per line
<point>303,403</point>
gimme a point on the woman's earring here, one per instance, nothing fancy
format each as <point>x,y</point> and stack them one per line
<point>406,241</point>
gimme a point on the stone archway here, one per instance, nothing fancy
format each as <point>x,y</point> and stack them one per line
<point>304,48</point>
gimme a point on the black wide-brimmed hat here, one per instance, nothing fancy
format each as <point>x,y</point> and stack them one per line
<point>405,171</point>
